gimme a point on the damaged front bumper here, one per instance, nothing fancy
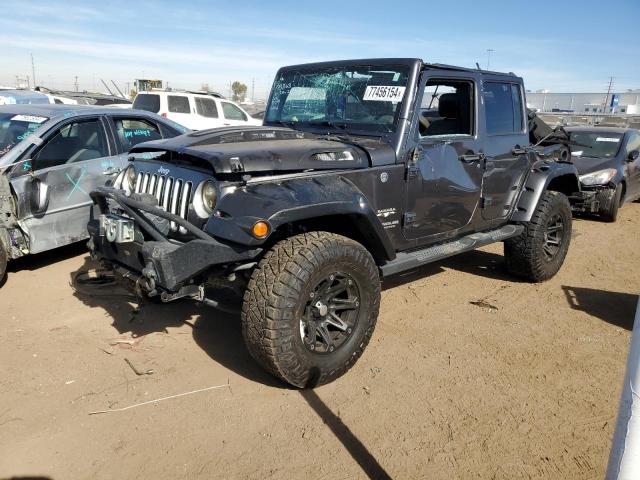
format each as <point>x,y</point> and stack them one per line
<point>135,244</point>
<point>586,201</point>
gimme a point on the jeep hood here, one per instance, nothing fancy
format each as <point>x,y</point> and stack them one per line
<point>263,149</point>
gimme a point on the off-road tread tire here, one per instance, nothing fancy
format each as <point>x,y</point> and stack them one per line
<point>609,200</point>
<point>4,257</point>
<point>270,324</point>
<point>523,254</point>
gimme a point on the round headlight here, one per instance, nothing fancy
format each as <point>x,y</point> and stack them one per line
<point>209,196</point>
<point>131,176</point>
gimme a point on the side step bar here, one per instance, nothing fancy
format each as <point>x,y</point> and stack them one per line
<point>408,260</point>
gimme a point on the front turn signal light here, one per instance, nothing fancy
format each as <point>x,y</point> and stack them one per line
<point>260,229</point>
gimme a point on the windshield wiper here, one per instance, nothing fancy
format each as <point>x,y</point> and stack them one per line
<point>329,123</point>
<point>285,124</point>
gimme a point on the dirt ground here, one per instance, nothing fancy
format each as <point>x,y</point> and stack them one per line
<point>470,374</point>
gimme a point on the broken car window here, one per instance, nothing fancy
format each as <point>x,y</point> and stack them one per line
<point>365,99</point>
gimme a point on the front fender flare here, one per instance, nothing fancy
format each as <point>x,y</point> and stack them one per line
<point>544,175</point>
<point>295,200</point>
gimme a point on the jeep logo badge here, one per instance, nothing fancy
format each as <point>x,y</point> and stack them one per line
<point>384,176</point>
<point>163,171</point>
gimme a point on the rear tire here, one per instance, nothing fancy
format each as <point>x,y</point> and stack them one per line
<point>4,255</point>
<point>539,251</point>
<point>294,323</point>
<point>609,203</point>
<point>3,263</point>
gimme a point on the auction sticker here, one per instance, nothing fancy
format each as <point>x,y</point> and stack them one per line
<point>608,139</point>
<point>384,93</point>
<point>29,118</point>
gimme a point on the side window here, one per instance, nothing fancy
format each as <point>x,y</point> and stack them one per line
<point>206,107</point>
<point>178,104</point>
<point>447,109</point>
<point>516,98</point>
<point>231,112</point>
<point>132,131</point>
<point>503,107</point>
<point>74,142</point>
<point>634,143</point>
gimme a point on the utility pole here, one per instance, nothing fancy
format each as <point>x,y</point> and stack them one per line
<point>253,90</point>
<point>606,98</point>
<point>33,71</point>
<point>489,50</point>
<point>75,84</point>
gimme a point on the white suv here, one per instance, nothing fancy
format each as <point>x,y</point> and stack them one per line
<point>194,110</point>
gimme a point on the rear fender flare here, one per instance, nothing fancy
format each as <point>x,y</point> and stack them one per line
<point>557,176</point>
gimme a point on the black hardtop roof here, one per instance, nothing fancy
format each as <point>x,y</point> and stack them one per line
<point>392,61</point>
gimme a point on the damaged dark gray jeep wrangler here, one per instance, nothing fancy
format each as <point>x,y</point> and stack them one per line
<point>363,169</point>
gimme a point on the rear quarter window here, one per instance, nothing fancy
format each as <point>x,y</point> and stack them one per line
<point>132,131</point>
<point>148,102</point>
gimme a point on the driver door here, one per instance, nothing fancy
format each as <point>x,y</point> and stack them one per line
<point>444,178</point>
<point>73,160</point>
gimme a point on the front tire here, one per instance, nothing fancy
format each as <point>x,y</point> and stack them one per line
<point>609,203</point>
<point>310,308</point>
<point>539,251</point>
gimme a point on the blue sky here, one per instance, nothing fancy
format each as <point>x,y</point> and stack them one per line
<point>559,45</point>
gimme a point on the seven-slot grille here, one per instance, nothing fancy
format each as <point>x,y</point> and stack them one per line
<point>173,194</point>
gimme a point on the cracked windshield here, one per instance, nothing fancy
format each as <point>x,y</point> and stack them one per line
<point>363,99</point>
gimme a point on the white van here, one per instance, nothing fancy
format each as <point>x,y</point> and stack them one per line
<point>194,110</point>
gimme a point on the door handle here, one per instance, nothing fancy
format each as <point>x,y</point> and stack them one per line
<point>475,157</point>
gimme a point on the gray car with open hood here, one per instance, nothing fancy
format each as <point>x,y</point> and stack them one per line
<point>51,157</point>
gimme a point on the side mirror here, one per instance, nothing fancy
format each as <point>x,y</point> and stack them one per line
<point>38,196</point>
<point>633,155</point>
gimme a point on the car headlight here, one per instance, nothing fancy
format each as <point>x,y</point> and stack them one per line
<point>205,199</point>
<point>601,177</point>
<point>129,183</point>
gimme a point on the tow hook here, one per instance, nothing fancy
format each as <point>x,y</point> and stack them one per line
<point>148,279</point>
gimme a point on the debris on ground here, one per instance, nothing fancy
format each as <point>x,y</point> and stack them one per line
<point>136,371</point>
<point>483,304</point>
<point>159,399</point>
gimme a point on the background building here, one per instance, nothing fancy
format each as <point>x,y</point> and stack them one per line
<point>628,102</point>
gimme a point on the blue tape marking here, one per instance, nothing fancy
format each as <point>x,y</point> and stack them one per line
<point>76,183</point>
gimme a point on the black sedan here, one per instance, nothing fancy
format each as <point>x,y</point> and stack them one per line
<point>608,161</point>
